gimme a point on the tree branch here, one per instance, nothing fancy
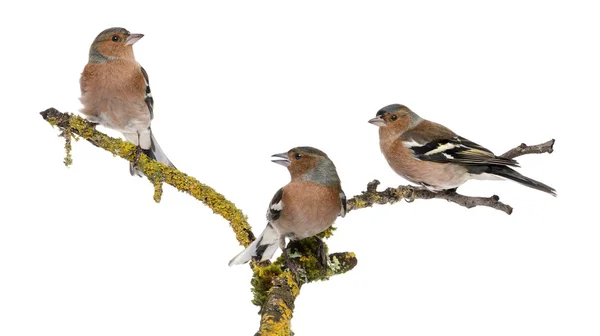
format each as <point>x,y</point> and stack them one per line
<point>278,306</point>
<point>522,149</point>
<point>274,287</point>
<point>156,172</point>
<point>410,193</point>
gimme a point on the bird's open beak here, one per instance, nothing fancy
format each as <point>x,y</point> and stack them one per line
<point>285,162</point>
<point>132,38</point>
<point>377,122</point>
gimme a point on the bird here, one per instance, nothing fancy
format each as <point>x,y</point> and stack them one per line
<point>115,93</point>
<point>434,157</point>
<point>305,207</point>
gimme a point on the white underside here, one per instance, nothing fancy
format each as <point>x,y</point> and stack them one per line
<point>486,176</point>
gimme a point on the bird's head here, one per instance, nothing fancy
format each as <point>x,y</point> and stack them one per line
<point>395,119</point>
<point>113,43</point>
<point>309,164</point>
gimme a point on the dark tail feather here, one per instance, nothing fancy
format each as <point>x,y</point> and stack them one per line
<point>512,174</point>
<point>262,248</point>
<point>155,153</point>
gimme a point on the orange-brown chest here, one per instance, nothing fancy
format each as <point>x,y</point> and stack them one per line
<point>114,93</point>
<point>308,209</point>
<point>114,78</point>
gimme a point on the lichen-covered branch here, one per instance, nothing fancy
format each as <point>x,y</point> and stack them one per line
<point>275,288</point>
<point>156,172</point>
<point>277,301</point>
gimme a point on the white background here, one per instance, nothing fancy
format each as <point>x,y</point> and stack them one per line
<point>85,250</point>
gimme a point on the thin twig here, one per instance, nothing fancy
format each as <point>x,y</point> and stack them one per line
<point>522,149</point>
<point>409,193</point>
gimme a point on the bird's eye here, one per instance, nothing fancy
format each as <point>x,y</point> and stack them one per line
<point>116,38</point>
<point>394,117</point>
<point>297,156</point>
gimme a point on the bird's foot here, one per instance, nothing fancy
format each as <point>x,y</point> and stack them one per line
<point>321,253</point>
<point>138,153</point>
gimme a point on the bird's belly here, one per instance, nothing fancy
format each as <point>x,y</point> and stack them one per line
<point>304,225</point>
<point>118,114</point>
<point>433,175</point>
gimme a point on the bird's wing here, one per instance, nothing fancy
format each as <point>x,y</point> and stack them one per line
<point>454,149</point>
<point>275,206</point>
<point>343,201</point>
<point>148,97</point>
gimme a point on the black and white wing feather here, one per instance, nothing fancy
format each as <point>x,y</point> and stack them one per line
<point>148,97</point>
<point>343,201</point>
<point>276,206</point>
<point>456,150</point>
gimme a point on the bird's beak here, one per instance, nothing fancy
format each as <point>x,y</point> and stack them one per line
<point>132,38</point>
<point>377,122</point>
<point>285,162</point>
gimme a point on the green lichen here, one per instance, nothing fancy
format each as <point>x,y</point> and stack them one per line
<point>68,160</point>
<point>156,171</point>
<point>262,281</point>
<point>327,233</point>
<point>311,268</point>
<point>158,191</point>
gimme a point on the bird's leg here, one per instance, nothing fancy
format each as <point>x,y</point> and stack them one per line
<point>138,151</point>
<point>321,253</point>
<point>288,262</point>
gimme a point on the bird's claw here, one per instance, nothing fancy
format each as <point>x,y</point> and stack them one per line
<point>138,153</point>
<point>321,253</point>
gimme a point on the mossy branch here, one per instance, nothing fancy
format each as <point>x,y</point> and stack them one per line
<point>277,301</point>
<point>156,172</point>
<point>274,287</point>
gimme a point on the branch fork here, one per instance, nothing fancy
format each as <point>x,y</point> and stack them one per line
<point>274,287</point>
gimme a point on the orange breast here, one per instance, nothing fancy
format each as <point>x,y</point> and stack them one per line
<point>308,209</point>
<point>115,92</point>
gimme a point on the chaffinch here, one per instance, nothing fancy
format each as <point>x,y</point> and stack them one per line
<point>115,92</point>
<point>429,154</point>
<point>306,206</point>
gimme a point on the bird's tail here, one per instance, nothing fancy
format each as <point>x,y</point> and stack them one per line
<point>155,153</point>
<point>262,247</point>
<point>512,174</point>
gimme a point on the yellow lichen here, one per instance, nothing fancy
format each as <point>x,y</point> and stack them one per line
<point>158,171</point>
<point>327,233</point>
<point>293,285</point>
<point>68,160</point>
<point>282,327</point>
<point>157,191</point>
<point>262,281</point>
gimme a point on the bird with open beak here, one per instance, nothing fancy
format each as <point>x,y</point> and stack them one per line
<point>115,92</point>
<point>433,156</point>
<point>306,206</point>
